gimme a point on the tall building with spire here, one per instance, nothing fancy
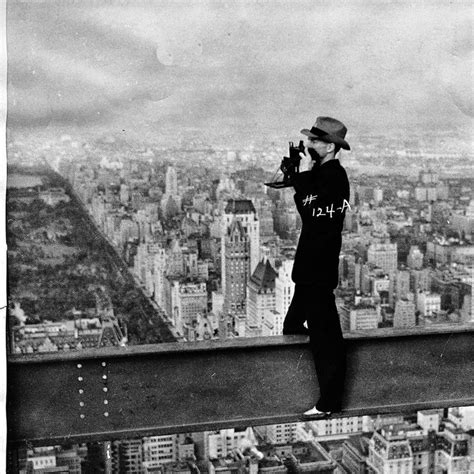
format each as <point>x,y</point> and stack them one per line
<point>244,211</point>
<point>171,200</point>
<point>236,267</point>
<point>239,253</point>
<point>171,181</point>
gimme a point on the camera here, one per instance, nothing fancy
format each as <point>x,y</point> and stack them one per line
<point>289,166</point>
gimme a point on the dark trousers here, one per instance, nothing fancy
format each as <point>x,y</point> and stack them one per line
<point>317,306</point>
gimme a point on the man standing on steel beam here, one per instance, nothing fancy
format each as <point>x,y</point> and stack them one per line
<point>322,197</point>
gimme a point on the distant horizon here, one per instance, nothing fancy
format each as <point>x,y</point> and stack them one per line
<point>179,137</point>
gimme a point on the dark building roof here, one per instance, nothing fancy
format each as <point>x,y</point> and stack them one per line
<point>264,276</point>
<point>360,443</point>
<point>240,206</point>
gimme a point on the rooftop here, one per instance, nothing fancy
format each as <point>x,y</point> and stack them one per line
<point>264,275</point>
<point>360,443</point>
<point>240,206</point>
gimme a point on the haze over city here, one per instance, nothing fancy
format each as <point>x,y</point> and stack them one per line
<point>233,72</point>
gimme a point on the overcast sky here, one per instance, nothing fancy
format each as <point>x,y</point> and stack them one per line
<point>237,68</point>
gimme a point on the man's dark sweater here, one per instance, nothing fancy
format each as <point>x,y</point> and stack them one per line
<point>322,197</point>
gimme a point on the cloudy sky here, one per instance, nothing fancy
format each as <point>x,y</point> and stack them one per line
<point>239,68</point>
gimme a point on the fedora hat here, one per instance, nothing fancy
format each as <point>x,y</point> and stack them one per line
<point>329,130</point>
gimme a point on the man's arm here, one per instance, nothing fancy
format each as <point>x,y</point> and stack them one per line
<point>304,184</point>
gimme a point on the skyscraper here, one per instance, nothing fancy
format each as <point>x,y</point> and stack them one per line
<point>404,316</point>
<point>239,251</point>
<point>399,286</point>
<point>218,444</point>
<point>158,450</point>
<point>171,181</point>
<point>390,450</point>
<point>158,276</point>
<point>260,297</point>
<point>236,267</point>
<point>278,434</point>
<point>127,456</point>
<point>428,303</point>
<point>244,211</point>
<point>360,317</point>
<point>284,289</point>
<point>383,256</point>
<point>171,200</point>
<point>186,301</point>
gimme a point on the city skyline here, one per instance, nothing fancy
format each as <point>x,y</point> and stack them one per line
<point>142,202</point>
<point>401,237</point>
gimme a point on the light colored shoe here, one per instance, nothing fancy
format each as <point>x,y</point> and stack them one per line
<point>314,414</point>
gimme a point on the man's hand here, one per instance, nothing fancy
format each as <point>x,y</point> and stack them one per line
<point>306,163</point>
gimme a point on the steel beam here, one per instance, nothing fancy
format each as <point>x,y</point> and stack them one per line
<point>169,388</point>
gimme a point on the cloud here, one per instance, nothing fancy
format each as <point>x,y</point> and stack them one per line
<point>205,64</point>
<point>66,69</point>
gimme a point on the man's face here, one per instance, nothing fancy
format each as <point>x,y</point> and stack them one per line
<point>320,147</point>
